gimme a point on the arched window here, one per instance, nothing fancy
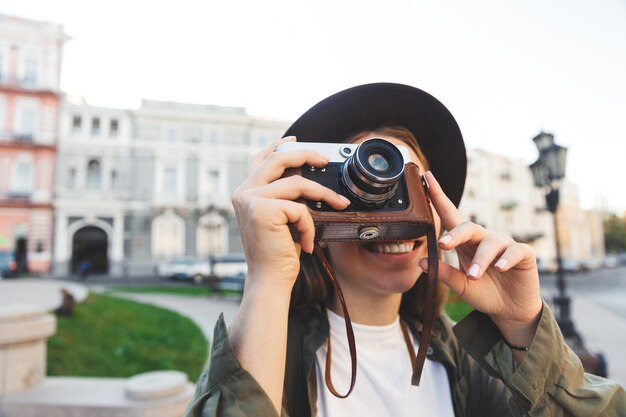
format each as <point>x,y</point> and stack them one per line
<point>168,236</point>
<point>212,235</point>
<point>93,174</point>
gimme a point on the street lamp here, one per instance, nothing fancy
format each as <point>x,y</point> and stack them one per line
<point>547,172</point>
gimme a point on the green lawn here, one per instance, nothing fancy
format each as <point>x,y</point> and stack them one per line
<point>190,290</point>
<point>111,337</point>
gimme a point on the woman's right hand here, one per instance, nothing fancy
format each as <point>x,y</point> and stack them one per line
<point>265,204</point>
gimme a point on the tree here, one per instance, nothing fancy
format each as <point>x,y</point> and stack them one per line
<point>615,233</point>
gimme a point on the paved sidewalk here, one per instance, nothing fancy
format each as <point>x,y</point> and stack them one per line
<point>43,294</point>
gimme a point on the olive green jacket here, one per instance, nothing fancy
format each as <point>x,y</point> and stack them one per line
<point>483,379</point>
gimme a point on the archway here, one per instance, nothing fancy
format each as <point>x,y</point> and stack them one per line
<point>90,244</point>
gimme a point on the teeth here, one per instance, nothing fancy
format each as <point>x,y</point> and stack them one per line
<point>396,247</point>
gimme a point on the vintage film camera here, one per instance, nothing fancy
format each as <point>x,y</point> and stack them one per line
<point>388,196</point>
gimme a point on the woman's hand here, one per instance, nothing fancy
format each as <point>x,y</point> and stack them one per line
<point>497,275</point>
<point>265,204</point>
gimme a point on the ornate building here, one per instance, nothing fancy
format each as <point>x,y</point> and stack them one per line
<point>93,184</point>
<point>30,64</point>
<point>135,187</point>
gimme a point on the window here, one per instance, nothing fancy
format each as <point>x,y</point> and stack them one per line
<point>263,141</point>
<point>168,236</point>
<point>77,123</point>
<point>71,178</point>
<point>172,135</point>
<point>213,138</point>
<point>169,181</point>
<point>27,123</point>
<point>212,184</point>
<point>24,177</point>
<point>30,71</point>
<point>39,246</point>
<point>95,126</point>
<point>113,128</point>
<point>93,174</point>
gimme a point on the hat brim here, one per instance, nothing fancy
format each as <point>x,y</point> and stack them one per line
<point>371,106</point>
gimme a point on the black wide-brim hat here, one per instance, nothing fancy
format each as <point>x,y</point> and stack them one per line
<point>371,106</point>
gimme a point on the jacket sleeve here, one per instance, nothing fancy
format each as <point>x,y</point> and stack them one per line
<point>550,381</point>
<point>225,388</point>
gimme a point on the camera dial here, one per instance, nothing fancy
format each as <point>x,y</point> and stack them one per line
<point>372,172</point>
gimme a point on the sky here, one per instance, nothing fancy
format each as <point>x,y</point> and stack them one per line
<point>505,69</point>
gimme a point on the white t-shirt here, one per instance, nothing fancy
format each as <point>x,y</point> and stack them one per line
<point>383,383</point>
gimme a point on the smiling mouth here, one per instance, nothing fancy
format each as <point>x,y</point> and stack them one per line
<point>391,247</point>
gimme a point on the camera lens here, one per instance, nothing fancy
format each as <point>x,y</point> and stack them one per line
<point>378,162</point>
<point>371,174</point>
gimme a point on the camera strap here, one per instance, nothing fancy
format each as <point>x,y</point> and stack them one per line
<point>429,306</point>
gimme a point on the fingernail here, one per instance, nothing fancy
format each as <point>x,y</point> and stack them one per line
<point>501,263</point>
<point>344,199</point>
<point>288,138</point>
<point>473,271</point>
<point>445,239</point>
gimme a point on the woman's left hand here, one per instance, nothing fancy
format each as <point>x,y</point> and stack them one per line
<point>497,275</point>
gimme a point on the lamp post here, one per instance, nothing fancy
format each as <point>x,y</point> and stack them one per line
<point>548,170</point>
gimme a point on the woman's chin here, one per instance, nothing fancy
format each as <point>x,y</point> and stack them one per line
<point>398,283</point>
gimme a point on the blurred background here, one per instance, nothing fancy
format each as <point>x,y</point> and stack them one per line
<point>125,126</point>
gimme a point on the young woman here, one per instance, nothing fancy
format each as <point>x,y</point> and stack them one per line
<point>506,358</point>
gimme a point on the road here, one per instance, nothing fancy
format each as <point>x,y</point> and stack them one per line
<point>605,287</point>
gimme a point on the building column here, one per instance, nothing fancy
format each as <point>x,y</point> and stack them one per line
<point>61,246</point>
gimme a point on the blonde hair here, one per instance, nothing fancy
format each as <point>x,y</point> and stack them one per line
<point>313,289</point>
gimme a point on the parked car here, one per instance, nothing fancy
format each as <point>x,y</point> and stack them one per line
<point>573,265</point>
<point>8,266</point>
<point>592,264</point>
<point>185,268</point>
<point>228,272</point>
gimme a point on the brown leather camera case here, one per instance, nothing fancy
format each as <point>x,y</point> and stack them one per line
<point>413,222</point>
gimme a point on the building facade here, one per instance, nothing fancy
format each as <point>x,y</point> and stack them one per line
<point>137,187</point>
<point>92,189</point>
<point>30,65</point>
<point>500,195</point>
